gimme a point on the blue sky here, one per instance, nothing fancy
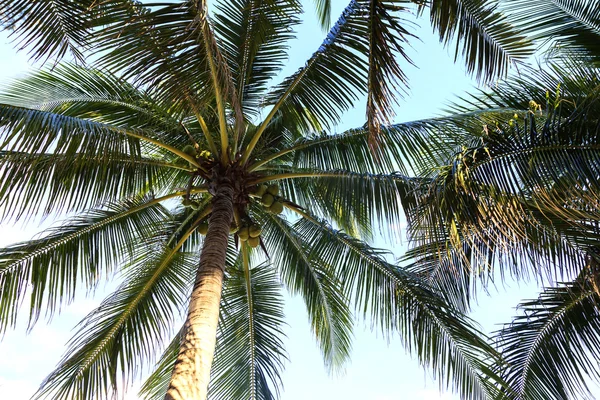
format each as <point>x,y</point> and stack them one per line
<point>378,370</point>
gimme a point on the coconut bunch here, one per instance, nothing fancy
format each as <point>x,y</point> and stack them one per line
<point>269,197</point>
<point>250,233</point>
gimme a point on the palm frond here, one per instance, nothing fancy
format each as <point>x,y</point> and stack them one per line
<point>253,35</point>
<point>551,348</point>
<point>250,352</point>
<point>329,314</point>
<point>49,28</point>
<point>40,184</point>
<point>88,93</point>
<point>156,385</point>
<point>81,250</point>
<point>119,338</point>
<point>573,24</point>
<point>337,73</point>
<point>387,36</point>
<point>442,337</point>
<point>489,42</point>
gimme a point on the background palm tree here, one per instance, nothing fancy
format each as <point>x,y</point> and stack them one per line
<point>519,198</point>
<point>179,118</point>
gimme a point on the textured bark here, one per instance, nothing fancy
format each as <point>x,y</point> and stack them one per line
<point>192,369</point>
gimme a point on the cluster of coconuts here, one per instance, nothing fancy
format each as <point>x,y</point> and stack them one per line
<point>269,197</point>
<point>250,233</point>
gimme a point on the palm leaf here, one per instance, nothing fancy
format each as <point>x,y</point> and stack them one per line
<point>250,351</point>
<point>253,35</point>
<point>442,337</point>
<point>120,337</point>
<point>34,184</point>
<point>489,42</point>
<point>551,348</point>
<point>80,251</point>
<point>330,318</point>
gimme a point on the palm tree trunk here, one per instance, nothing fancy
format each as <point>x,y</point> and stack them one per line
<point>192,369</point>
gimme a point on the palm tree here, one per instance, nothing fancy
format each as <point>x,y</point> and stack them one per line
<point>520,198</point>
<point>176,167</point>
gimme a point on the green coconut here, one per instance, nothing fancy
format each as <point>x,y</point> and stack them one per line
<point>243,233</point>
<point>276,207</point>
<point>261,189</point>
<point>253,241</point>
<point>273,189</point>
<point>190,150</point>
<point>267,199</point>
<point>255,230</point>
<point>203,228</point>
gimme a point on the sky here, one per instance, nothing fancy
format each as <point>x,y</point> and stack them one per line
<point>377,370</point>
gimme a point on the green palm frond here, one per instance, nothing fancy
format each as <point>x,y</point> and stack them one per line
<point>337,73</point>
<point>353,201</point>
<point>488,41</point>
<point>156,385</point>
<point>35,184</point>
<point>253,35</point>
<point>323,9</point>
<point>88,93</point>
<point>573,24</point>
<point>250,352</point>
<point>442,337</point>
<point>551,348</point>
<point>81,250</point>
<point>49,28</point>
<point>116,340</point>
<point>329,315</point>
<point>387,38</point>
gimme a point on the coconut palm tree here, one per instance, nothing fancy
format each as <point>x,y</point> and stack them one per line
<point>520,198</point>
<point>203,188</point>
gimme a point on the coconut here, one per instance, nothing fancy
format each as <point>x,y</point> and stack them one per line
<point>243,233</point>
<point>262,189</point>
<point>276,207</point>
<point>203,228</point>
<point>186,202</point>
<point>255,230</point>
<point>273,189</point>
<point>189,150</point>
<point>195,205</point>
<point>253,241</point>
<point>268,199</point>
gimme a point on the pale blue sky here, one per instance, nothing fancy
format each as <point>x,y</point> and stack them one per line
<point>378,371</point>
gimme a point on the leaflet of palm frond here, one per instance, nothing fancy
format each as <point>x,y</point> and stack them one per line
<point>336,75</point>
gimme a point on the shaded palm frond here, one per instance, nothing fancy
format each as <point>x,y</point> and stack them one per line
<point>329,315</point>
<point>337,73</point>
<point>40,184</point>
<point>253,35</point>
<point>88,93</point>
<point>387,38</point>
<point>156,385</point>
<point>397,300</point>
<point>81,250</point>
<point>551,348</point>
<point>250,352</point>
<point>115,341</point>
<point>573,24</point>
<point>489,42</point>
<point>53,29</point>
